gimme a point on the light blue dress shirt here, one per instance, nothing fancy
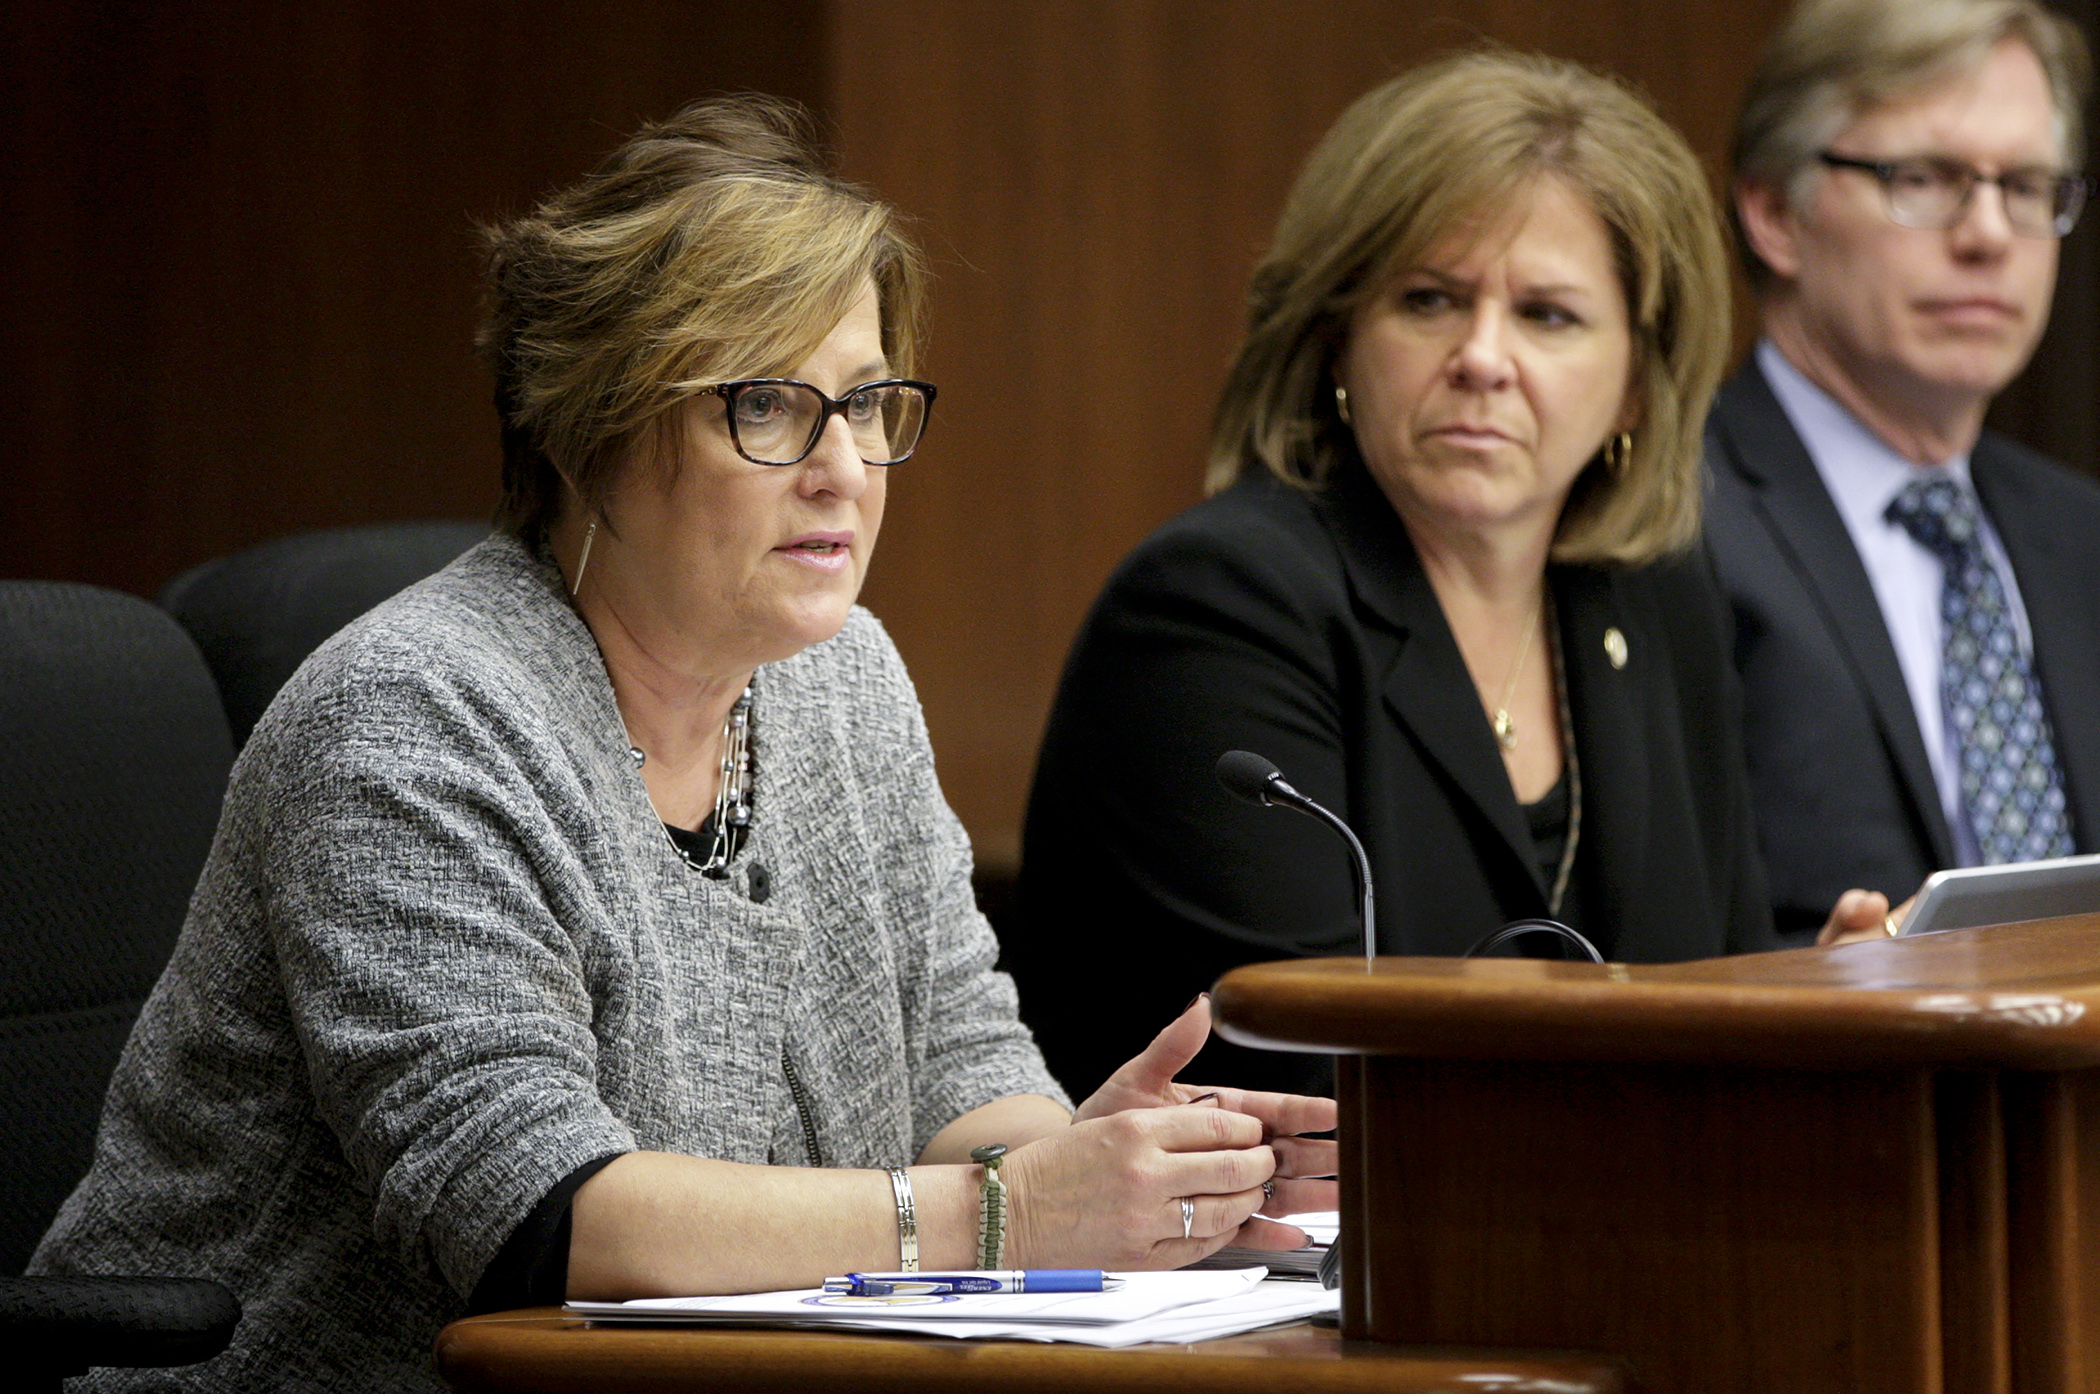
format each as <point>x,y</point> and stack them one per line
<point>1863,474</point>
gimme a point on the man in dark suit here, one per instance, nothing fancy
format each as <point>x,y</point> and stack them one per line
<point>1916,600</point>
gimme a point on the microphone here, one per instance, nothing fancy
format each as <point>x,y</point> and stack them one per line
<point>1248,776</point>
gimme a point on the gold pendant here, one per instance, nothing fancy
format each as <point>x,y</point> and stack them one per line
<point>1505,729</point>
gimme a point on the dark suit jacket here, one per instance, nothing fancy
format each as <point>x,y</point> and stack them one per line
<point>1844,794</point>
<point>1301,626</point>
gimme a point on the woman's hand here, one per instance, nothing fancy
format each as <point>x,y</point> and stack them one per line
<point>1108,1192</point>
<point>1861,915</point>
<point>1147,1083</point>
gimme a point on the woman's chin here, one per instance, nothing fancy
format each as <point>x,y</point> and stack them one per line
<point>810,624</point>
<point>1482,510</point>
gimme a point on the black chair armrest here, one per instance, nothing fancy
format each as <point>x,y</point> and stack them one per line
<point>64,1325</point>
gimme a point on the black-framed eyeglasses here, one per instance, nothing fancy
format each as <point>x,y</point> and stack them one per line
<point>1932,191</point>
<point>778,421</point>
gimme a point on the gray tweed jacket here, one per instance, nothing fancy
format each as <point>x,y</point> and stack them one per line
<point>443,953</point>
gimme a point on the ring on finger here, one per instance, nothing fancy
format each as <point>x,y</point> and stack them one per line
<point>1268,1191</point>
<point>1188,1218</point>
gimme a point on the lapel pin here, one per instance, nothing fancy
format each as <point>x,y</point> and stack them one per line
<point>1615,647</point>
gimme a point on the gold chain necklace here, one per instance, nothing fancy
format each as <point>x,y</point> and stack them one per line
<point>1506,729</point>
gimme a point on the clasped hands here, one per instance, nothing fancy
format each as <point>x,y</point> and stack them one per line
<point>1107,1192</point>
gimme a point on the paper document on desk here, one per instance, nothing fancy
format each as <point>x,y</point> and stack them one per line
<point>1149,1307</point>
<point>1270,1304</point>
<point>1142,1295</point>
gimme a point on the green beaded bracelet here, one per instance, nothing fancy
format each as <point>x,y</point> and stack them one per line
<point>991,1207</point>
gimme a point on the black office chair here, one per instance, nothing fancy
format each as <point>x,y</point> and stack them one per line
<point>257,614</point>
<point>113,761</point>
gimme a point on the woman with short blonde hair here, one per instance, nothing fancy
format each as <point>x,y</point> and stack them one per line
<point>714,247</point>
<point>587,921</point>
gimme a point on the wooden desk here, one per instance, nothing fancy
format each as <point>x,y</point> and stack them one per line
<point>1868,1168</point>
<point>541,1352</point>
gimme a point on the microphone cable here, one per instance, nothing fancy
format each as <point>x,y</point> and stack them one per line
<point>1519,927</point>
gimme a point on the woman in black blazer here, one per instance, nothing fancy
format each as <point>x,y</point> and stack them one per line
<point>1442,583</point>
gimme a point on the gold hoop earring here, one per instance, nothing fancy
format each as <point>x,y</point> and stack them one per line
<point>1618,452</point>
<point>1341,403</point>
<point>590,535</point>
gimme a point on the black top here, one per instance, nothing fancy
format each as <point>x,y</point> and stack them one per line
<point>1548,820</point>
<point>1300,625</point>
<point>532,1267</point>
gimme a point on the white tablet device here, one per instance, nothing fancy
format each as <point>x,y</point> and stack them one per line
<point>1981,895</point>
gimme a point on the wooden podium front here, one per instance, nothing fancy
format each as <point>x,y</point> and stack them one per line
<point>1866,1168</point>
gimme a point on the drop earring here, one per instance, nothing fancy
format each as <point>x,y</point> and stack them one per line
<point>590,535</point>
<point>1341,403</point>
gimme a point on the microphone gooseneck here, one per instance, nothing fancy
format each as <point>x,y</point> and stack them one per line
<point>1257,780</point>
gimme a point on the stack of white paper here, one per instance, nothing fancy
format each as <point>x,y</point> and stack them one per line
<point>1148,1307</point>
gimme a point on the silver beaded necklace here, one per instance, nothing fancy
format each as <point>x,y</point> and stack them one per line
<point>733,789</point>
<point>732,816</point>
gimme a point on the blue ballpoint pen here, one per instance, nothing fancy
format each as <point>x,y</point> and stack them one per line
<point>944,1284</point>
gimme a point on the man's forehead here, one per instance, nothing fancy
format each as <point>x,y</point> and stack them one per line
<point>2000,111</point>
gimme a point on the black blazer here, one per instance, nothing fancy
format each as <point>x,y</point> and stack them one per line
<point>1301,626</point>
<point>1843,791</point>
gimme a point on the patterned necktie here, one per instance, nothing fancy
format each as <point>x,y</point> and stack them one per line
<point>2010,787</point>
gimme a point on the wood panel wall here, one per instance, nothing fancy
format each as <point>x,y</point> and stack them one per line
<point>240,270</point>
<point>2055,405</point>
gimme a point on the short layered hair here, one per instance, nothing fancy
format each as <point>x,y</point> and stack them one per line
<point>713,246</point>
<point>1446,147</point>
<point>1833,60</point>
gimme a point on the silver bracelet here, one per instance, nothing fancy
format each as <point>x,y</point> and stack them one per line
<point>907,1221</point>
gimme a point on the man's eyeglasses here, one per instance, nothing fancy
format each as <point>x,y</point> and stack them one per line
<point>1933,192</point>
<point>778,421</point>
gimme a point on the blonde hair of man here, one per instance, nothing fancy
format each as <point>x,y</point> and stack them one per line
<point>1833,60</point>
<point>711,247</point>
<point>1449,145</point>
